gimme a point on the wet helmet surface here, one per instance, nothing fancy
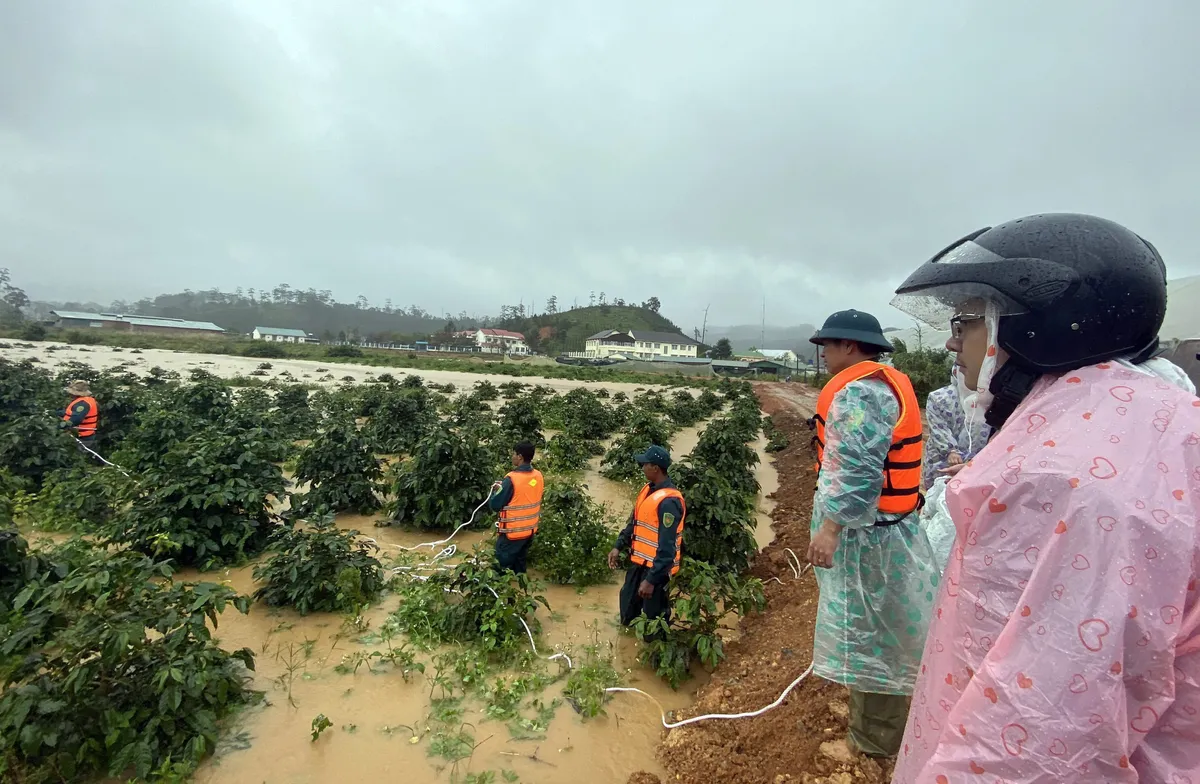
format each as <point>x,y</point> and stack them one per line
<point>1074,289</point>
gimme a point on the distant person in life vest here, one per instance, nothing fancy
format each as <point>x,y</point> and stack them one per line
<point>519,502</point>
<point>875,566</point>
<point>654,536</point>
<point>81,415</point>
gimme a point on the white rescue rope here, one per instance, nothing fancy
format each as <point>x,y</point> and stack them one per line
<point>99,457</point>
<point>713,716</point>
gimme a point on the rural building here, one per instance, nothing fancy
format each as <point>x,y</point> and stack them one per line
<point>638,344</point>
<point>281,335</point>
<point>496,341</point>
<point>73,319</point>
<point>781,356</point>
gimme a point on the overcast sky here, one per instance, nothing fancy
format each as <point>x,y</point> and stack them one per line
<point>460,154</point>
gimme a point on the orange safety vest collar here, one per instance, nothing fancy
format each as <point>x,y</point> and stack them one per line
<point>86,428</point>
<point>519,519</point>
<point>902,467</point>
<point>645,528</point>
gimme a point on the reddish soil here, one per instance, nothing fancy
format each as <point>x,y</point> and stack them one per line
<point>801,740</point>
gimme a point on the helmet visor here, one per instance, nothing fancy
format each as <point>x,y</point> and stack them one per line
<point>952,284</point>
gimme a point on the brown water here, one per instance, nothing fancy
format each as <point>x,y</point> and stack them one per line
<point>371,713</point>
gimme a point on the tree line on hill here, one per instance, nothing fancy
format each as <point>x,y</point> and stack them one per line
<point>552,330</point>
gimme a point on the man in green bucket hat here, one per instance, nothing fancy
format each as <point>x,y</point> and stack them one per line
<point>875,567</point>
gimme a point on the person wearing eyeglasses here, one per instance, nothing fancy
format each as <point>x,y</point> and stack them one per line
<point>875,567</point>
<point>1065,642</point>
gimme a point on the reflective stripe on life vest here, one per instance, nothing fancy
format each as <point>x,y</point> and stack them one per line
<point>86,428</point>
<point>902,468</point>
<point>645,528</point>
<point>519,519</point>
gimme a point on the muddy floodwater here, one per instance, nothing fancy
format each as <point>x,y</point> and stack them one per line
<point>374,715</point>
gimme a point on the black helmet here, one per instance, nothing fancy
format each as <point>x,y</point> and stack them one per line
<point>1073,289</point>
<point>853,325</point>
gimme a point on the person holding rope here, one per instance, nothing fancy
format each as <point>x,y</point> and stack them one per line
<point>1065,645</point>
<point>654,536</point>
<point>81,415</point>
<point>519,502</point>
<point>875,566</point>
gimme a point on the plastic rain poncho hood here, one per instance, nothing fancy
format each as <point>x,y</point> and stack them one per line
<point>877,598</point>
<point>1065,643</point>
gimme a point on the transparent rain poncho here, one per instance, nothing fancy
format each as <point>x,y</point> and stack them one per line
<point>875,600</point>
<point>1065,645</point>
<point>953,424</point>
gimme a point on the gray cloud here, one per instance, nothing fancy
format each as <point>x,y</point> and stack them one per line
<point>462,155</point>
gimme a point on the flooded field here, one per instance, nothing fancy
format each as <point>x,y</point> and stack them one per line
<point>379,720</point>
<point>326,374</point>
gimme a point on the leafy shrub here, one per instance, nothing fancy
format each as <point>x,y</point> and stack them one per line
<point>519,421</point>
<point>33,446</point>
<point>343,352</point>
<point>573,538</point>
<point>486,390</point>
<point>645,429</point>
<point>510,390</point>
<point>777,440</point>
<point>927,368</point>
<point>264,366</point>
<point>567,454</point>
<point>585,417</point>
<point>33,330</point>
<point>447,477</point>
<point>10,488</point>
<point>81,498</point>
<point>702,596</point>
<point>262,349</point>
<point>208,502</point>
<point>19,566</point>
<point>471,604</point>
<point>91,694</point>
<point>159,429</point>
<point>722,446</point>
<point>411,382</point>
<point>401,420</point>
<point>321,569</point>
<point>25,391</point>
<point>709,401</point>
<point>720,524</point>
<point>684,410</point>
<point>343,471</point>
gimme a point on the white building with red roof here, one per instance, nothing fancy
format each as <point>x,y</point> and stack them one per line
<point>498,341</point>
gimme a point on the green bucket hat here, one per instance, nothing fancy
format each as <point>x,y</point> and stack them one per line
<point>853,325</point>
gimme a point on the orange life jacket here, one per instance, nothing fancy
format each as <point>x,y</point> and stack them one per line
<point>86,428</point>
<point>519,519</point>
<point>645,526</point>
<point>902,468</point>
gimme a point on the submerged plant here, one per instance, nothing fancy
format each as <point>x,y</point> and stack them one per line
<point>320,569</point>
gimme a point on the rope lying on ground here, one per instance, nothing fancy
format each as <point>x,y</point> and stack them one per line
<point>714,716</point>
<point>794,564</point>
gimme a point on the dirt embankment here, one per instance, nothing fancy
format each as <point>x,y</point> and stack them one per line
<point>800,741</point>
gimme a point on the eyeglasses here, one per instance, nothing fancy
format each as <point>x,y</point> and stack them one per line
<point>956,323</point>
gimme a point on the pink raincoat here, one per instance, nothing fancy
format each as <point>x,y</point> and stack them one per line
<point>1065,644</point>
